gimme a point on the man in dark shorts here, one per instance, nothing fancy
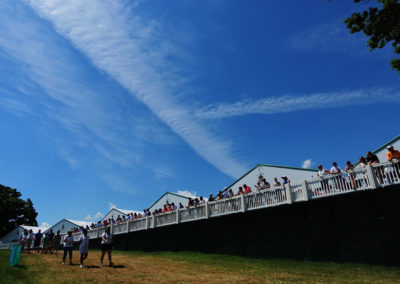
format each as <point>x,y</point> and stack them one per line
<point>106,246</point>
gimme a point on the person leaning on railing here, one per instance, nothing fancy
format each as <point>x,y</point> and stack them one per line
<point>324,183</point>
<point>394,156</point>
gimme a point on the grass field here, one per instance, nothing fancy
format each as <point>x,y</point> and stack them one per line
<point>140,267</point>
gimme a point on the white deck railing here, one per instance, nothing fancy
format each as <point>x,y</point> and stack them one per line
<point>367,178</point>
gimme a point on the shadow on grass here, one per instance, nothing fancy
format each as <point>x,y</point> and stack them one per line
<point>118,266</point>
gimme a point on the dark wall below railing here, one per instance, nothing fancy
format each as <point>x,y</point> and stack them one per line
<point>354,227</point>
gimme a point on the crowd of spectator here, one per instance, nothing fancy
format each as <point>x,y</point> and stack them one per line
<point>262,184</point>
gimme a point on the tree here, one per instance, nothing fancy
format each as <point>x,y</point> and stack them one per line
<point>15,211</point>
<point>380,24</point>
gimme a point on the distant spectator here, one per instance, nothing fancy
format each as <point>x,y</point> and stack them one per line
<point>29,240</point>
<point>196,202</point>
<point>23,237</point>
<point>173,206</point>
<point>38,239</point>
<point>372,158</point>
<point>240,192</point>
<point>220,195</point>
<point>181,205</point>
<point>190,202</point>
<point>392,155</point>
<point>324,183</point>
<point>210,198</point>
<point>276,182</point>
<point>165,209</point>
<point>285,179</point>
<point>106,246</point>
<point>51,240</point>
<point>321,171</point>
<point>362,162</point>
<point>335,169</point>
<point>56,242</point>
<point>266,184</point>
<point>45,243</point>
<point>247,189</point>
<point>349,168</point>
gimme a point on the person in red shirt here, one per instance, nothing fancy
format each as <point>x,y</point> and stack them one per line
<point>247,189</point>
<point>392,155</point>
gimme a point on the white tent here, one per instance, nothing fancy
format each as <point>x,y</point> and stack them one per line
<point>14,234</point>
<point>66,224</point>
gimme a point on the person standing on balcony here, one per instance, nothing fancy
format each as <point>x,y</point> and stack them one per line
<point>276,182</point>
<point>392,155</point>
<point>339,182</point>
<point>286,180</point>
<point>247,189</point>
<point>372,159</point>
<point>322,173</point>
<point>350,170</point>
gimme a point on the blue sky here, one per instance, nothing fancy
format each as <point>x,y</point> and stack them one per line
<point>116,102</point>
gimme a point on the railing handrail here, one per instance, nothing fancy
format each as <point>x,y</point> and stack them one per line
<point>327,185</point>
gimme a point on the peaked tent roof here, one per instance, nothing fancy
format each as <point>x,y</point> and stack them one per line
<point>168,192</point>
<point>272,166</point>
<point>122,211</point>
<point>386,144</point>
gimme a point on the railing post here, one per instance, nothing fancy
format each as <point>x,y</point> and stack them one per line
<point>127,226</point>
<point>371,177</point>
<point>112,228</point>
<point>153,222</point>
<point>243,202</point>
<point>148,221</point>
<point>97,233</point>
<point>177,215</point>
<point>207,210</point>
<point>305,190</point>
<point>288,193</point>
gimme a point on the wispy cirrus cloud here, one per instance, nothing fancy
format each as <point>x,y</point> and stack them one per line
<point>136,53</point>
<point>331,37</point>
<point>290,103</point>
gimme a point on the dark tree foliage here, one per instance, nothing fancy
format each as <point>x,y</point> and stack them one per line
<point>380,24</point>
<point>15,211</point>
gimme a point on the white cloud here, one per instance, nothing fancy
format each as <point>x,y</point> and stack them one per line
<point>307,164</point>
<point>187,193</point>
<point>46,225</point>
<point>272,105</point>
<point>111,205</point>
<point>163,172</point>
<point>136,54</point>
<point>328,38</point>
<point>95,217</point>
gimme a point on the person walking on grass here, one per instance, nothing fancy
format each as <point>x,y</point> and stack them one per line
<point>106,246</point>
<point>68,245</point>
<point>84,246</point>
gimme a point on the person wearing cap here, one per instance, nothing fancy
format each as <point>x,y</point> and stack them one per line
<point>68,245</point>
<point>84,246</point>
<point>285,179</point>
<point>392,155</point>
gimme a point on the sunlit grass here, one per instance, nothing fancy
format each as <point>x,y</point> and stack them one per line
<point>188,267</point>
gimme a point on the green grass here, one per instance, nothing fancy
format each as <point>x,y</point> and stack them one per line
<point>189,267</point>
<point>17,274</point>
